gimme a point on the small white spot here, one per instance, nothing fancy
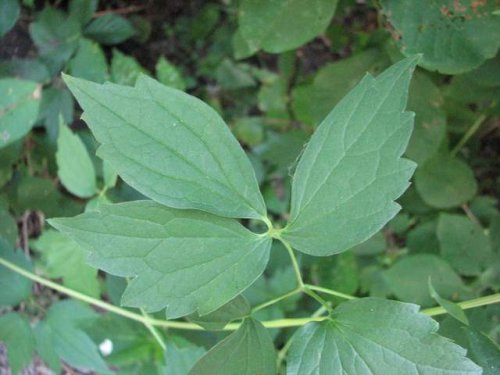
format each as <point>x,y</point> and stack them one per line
<point>106,347</point>
<point>5,136</point>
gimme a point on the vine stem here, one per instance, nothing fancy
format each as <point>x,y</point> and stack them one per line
<point>329,291</point>
<point>279,323</point>
<point>295,263</point>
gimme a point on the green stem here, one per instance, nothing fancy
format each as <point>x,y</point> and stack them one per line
<point>295,264</point>
<point>154,332</point>
<point>279,323</point>
<point>470,304</point>
<point>329,291</point>
<point>318,298</point>
<point>468,134</point>
<point>276,300</point>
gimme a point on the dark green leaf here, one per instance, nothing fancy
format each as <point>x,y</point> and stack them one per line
<point>247,351</point>
<point>236,308</point>
<point>451,308</point>
<point>14,288</point>
<point>110,29</point>
<point>89,62</point>
<point>9,13</point>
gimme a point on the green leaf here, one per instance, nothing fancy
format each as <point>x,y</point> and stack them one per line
<point>170,146</point>
<point>249,350</point>
<point>110,29</point>
<point>8,228</point>
<point>82,10</point>
<point>75,168</point>
<point>483,351</point>
<point>62,329</point>
<point>181,357</point>
<point>408,279</point>
<point>445,182</point>
<point>463,244</point>
<point>169,75</point>
<point>29,69</point>
<point>14,288</point>
<point>17,335</point>
<point>109,175</point>
<point>64,258</point>
<point>235,309</point>
<point>374,336</point>
<point>425,99</point>
<point>56,37</point>
<point>56,103</point>
<point>313,101</point>
<point>423,239</point>
<point>351,171</point>
<point>451,308</point>
<point>89,62</point>
<point>9,13</point>
<point>181,260</point>
<point>454,36</point>
<point>19,104</point>
<point>267,24</point>
<point>125,69</point>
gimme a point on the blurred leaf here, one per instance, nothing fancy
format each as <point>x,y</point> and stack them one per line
<point>423,239</point>
<point>232,76</point>
<point>169,74</point>
<point>56,37</point>
<point>14,288</point>
<point>425,99</point>
<point>445,182</point>
<point>28,69</point>
<point>249,350</point>
<point>17,335</point>
<point>372,246</point>
<point>249,130</point>
<point>75,168</point>
<point>19,105</point>
<point>9,13</point>
<point>63,257</point>
<point>267,24</point>
<point>82,10</point>
<point>454,36</point>
<point>312,102</point>
<point>125,69</point>
<point>62,331</point>
<point>408,279</point>
<point>181,357</point>
<point>110,29</point>
<point>8,228</point>
<point>56,103</point>
<point>89,62</point>
<point>451,308</point>
<point>463,244</point>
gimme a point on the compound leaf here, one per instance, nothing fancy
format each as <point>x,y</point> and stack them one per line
<point>247,351</point>
<point>351,171</point>
<point>170,146</point>
<point>374,336</point>
<point>181,260</point>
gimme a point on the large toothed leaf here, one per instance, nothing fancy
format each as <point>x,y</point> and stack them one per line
<point>248,351</point>
<point>170,146</point>
<point>181,260</point>
<point>352,171</point>
<point>372,336</point>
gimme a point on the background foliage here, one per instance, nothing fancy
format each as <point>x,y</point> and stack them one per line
<point>272,80</point>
